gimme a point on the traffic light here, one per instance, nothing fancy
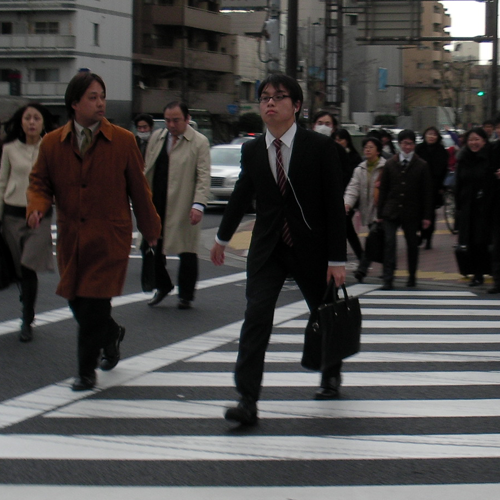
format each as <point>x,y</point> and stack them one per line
<point>480,93</point>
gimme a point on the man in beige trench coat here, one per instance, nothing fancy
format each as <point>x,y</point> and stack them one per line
<point>178,172</point>
<point>92,169</point>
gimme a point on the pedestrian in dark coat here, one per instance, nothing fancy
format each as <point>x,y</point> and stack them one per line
<point>434,153</point>
<point>405,200</point>
<point>473,179</point>
<point>493,211</point>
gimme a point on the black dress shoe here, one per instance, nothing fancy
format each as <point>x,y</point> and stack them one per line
<point>111,353</point>
<point>245,413</point>
<point>159,296</point>
<point>184,304</point>
<point>360,276</point>
<point>476,282</point>
<point>412,282</point>
<point>495,289</point>
<point>330,388</point>
<point>387,286</point>
<point>26,334</point>
<point>84,383</point>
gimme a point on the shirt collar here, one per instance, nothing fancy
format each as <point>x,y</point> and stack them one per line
<point>286,138</point>
<point>79,128</point>
<point>408,158</point>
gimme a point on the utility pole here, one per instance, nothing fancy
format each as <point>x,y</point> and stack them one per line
<point>291,36</point>
<point>272,33</point>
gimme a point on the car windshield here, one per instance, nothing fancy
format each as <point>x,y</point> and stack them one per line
<point>227,157</point>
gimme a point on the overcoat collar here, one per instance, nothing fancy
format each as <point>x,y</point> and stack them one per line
<point>105,128</point>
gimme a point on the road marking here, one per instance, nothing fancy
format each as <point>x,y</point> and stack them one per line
<point>395,338</point>
<point>248,448</point>
<point>116,408</point>
<point>369,301</point>
<point>297,379</point>
<point>407,324</point>
<point>365,357</point>
<point>410,492</point>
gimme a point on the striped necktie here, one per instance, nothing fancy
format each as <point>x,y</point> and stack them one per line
<point>281,178</point>
<point>87,140</point>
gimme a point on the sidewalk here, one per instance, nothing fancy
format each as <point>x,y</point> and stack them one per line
<point>435,265</point>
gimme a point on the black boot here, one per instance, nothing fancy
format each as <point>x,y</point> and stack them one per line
<point>29,288</point>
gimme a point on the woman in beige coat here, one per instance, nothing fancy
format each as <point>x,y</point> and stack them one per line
<point>31,249</point>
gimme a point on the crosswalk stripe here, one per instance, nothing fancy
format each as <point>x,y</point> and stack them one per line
<point>100,408</point>
<point>396,338</point>
<point>366,492</point>
<point>366,357</point>
<point>369,301</point>
<point>249,448</point>
<point>298,379</point>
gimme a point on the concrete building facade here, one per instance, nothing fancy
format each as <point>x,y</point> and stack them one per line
<point>43,44</point>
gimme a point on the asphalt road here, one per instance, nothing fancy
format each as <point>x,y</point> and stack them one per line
<point>419,415</point>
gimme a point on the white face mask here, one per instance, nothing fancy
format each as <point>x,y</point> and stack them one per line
<point>144,135</point>
<point>323,129</point>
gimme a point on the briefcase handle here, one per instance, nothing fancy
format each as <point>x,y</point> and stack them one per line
<point>332,291</point>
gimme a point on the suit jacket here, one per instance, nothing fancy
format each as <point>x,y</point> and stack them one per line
<point>406,195</point>
<point>314,208</point>
<point>92,196</point>
<point>188,183</point>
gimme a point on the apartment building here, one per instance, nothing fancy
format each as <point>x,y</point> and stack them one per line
<point>43,44</point>
<point>183,50</point>
<point>425,66</point>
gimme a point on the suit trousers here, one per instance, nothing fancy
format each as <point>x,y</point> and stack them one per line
<point>96,329</point>
<point>410,229</point>
<point>187,273</point>
<point>262,291</point>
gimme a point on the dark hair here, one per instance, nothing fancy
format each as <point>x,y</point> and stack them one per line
<point>488,122</point>
<point>178,104</point>
<point>434,129</point>
<point>376,134</point>
<point>14,126</point>
<point>144,117</point>
<point>344,134</point>
<point>387,135</point>
<point>478,131</point>
<point>77,86</point>
<point>320,114</point>
<point>406,134</point>
<point>291,85</point>
<point>374,141</point>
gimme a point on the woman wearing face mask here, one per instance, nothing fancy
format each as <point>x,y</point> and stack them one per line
<point>31,249</point>
<point>473,180</point>
<point>434,153</point>
<point>144,125</point>
<point>325,123</point>
<point>362,191</point>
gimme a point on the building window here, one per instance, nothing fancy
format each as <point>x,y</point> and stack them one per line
<point>6,28</point>
<point>352,19</point>
<point>96,34</point>
<point>436,46</point>
<point>436,27</point>
<point>420,65</point>
<point>47,75</point>
<point>436,64</point>
<point>46,28</point>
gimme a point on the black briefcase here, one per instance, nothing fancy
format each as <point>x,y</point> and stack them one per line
<point>333,332</point>
<point>7,270</point>
<point>464,261</point>
<point>374,245</point>
<point>148,270</point>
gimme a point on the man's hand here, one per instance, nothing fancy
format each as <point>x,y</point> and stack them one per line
<point>347,209</point>
<point>217,254</point>
<point>195,216</point>
<point>34,219</point>
<point>426,223</point>
<point>336,273</point>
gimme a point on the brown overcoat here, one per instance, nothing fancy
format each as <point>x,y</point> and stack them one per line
<point>94,224</point>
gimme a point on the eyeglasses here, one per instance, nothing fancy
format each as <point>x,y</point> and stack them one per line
<point>275,98</point>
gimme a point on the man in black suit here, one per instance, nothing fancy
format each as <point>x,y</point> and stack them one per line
<point>299,230</point>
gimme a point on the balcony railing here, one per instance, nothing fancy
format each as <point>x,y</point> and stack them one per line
<point>37,42</point>
<point>29,5</point>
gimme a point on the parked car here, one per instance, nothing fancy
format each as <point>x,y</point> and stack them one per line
<point>245,138</point>
<point>224,171</point>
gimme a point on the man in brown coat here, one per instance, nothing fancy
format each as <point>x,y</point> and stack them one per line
<point>91,168</point>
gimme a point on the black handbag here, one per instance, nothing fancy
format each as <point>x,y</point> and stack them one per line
<point>333,331</point>
<point>148,270</point>
<point>7,269</point>
<point>374,245</point>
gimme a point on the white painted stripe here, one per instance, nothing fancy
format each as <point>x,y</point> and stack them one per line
<point>428,302</point>
<point>395,338</point>
<point>371,311</point>
<point>398,492</point>
<point>297,379</point>
<point>455,325</point>
<point>365,357</point>
<point>422,293</point>
<point>248,448</point>
<point>100,408</point>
